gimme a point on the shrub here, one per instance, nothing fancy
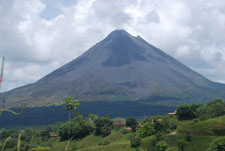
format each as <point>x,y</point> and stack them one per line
<point>77,130</point>
<point>149,142</point>
<point>5,134</point>
<point>181,144</point>
<point>135,141</point>
<point>44,134</point>
<point>173,126</point>
<point>161,146</point>
<point>11,143</point>
<point>104,126</point>
<point>147,130</point>
<point>185,112</point>
<point>188,137</point>
<point>218,144</point>
<point>131,121</point>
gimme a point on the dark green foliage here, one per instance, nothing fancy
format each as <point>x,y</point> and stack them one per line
<point>181,144</point>
<point>71,104</point>
<point>45,134</point>
<point>158,136</point>
<point>188,137</point>
<point>135,141</point>
<point>134,127</point>
<point>147,130</point>
<point>104,126</point>
<point>131,121</point>
<point>11,143</point>
<point>27,135</point>
<point>172,125</point>
<point>186,112</point>
<point>218,144</point>
<point>203,112</point>
<point>5,134</point>
<point>76,129</point>
<point>161,146</point>
<point>161,125</point>
<point>212,109</point>
<point>53,114</point>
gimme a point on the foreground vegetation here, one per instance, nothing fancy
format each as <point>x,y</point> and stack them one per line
<point>194,127</point>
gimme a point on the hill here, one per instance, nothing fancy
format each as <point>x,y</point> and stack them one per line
<point>196,134</point>
<point>120,67</point>
<point>214,126</point>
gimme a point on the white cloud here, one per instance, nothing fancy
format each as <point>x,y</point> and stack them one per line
<point>38,36</point>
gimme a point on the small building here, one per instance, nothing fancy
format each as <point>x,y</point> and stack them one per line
<point>174,113</point>
<point>128,129</point>
<point>119,122</point>
<point>140,125</point>
<point>53,135</point>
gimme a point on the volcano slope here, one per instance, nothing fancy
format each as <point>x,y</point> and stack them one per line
<point>120,67</point>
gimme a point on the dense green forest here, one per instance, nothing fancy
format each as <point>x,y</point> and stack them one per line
<point>197,127</point>
<point>53,114</point>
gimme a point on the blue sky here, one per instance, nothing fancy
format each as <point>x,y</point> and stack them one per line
<point>38,36</point>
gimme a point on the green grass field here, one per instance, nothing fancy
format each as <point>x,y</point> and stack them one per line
<point>214,126</point>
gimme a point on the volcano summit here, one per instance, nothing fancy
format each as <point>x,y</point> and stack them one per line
<point>120,67</point>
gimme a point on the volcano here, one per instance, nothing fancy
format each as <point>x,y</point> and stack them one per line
<point>120,67</point>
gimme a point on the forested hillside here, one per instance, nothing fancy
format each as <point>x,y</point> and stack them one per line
<point>191,127</point>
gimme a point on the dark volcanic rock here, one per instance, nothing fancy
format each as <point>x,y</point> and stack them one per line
<point>120,67</point>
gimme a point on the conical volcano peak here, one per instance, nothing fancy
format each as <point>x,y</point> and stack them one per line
<point>118,33</point>
<point>122,49</point>
<point>120,67</point>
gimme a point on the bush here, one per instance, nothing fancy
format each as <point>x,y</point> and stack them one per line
<point>5,134</point>
<point>77,130</point>
<point>27,135</point>
<point>11,143</point>
<point>218,144</point>
<point>161,146</point>
<point>188,137</point>
<point>172,124</point>
<point>104,126</point>
<point>135,142</point>
<point>181,144</point>
<point>131,121</point>
<point>45,134</point>
<point>212,109</point>
<point>185,112</point>
<point>149,142</point>
<point>147,130</point>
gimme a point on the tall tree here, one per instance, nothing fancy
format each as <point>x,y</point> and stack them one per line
<point>71,105</point>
